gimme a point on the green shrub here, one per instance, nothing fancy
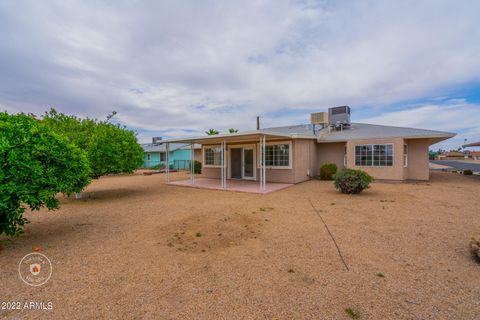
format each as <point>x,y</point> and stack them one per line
<point>351,181</point>
<point>475,249</point>
<point>467,172</point>
<point>110,148</point>
<point>157,167</point>
<point>36,165</point>
<point>197,167</point>
<point>327,171</point>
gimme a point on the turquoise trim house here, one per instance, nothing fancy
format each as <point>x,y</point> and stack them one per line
<point>180,155</point>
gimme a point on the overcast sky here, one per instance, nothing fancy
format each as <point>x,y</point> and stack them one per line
<point>176,68</point>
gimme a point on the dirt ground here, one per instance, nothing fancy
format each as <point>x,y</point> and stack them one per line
<point>134,248</point>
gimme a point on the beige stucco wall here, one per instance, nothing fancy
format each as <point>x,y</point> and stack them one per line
<point>395,172</point>
<point>303,156</point>
<point>308,155</point>
<point>417,168</point>
<point>197,155</point>
<point>304,159</point>
<point>329,152</point>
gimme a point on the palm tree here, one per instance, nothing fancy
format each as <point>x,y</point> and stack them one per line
<point>231,130</point>
<point>212,132</point>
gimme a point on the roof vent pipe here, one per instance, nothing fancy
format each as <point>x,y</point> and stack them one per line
<point>258,122</point>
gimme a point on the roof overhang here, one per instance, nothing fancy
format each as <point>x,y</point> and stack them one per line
<point>431,139</point>
<point>238,137</point>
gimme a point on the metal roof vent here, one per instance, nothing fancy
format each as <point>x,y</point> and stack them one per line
<point>319,118</point>
<point>157,140</point>
<point>339,116</point>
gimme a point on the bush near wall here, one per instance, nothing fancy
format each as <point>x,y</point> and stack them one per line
<point>197,167</point>
<point>352,181</point>
<point>467,172</point>
<point>327,171</point>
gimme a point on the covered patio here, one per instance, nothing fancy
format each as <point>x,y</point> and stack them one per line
<point>233,185</point>
<point>250,151</point>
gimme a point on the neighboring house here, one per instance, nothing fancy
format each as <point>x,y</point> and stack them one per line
<point>452,155</point>
<point>179,154</point>
<point>475,155</point>
<point>456,155</point>
<point>295,153</point>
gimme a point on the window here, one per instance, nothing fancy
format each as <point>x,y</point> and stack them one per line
<point>374,155</point>
<point>277,155</point>
<point>213,156</point>
<point>149,157</point>
<point>405,155</point>
<point>162,156</point>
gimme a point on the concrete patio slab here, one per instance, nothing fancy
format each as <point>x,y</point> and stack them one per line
<point>232,185</point>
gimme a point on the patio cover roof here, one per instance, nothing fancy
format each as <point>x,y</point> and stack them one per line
<point>241,137</point>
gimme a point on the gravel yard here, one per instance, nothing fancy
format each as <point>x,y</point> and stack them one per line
<point>134,248</point>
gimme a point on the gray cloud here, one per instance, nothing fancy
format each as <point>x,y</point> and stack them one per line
<point>173,65</point>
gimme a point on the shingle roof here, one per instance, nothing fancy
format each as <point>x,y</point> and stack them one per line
<point>373,131</point>
<point>354,132</point>
<point>302,130</point>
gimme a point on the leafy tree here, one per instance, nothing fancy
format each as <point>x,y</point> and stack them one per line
<point>113,149</point>
<point>212,132</point>
<point>110,148</point>
<point>35,165</point>
<point>232,130</point>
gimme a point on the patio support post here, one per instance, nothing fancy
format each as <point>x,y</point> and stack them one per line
<point>260,161</point>
<point>192,163</point>
<point>221,165</point>
<point>167,162</point>
<point>224,166</point>
<point>264,180</point>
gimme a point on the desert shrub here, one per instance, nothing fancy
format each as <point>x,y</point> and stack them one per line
<point>352,314</point>
<point>351,181</point>
<point>467,172</point>
<point>475,248</point>
<point>327,171</point>
<point>197,167</point>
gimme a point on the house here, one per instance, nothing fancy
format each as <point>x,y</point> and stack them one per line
<point>293,154</point>
<point>180,154</point>
<point>457,155</point>
<point>474,155</point>
<point>452,155</point>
